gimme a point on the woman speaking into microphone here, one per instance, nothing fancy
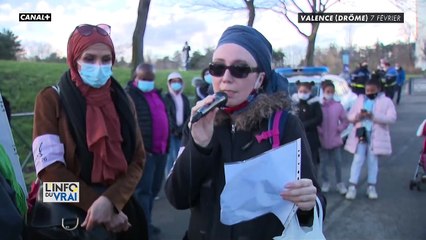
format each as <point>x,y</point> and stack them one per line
<point>241,68</point>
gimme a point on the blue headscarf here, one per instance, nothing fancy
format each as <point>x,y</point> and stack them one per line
<point>261,50</point>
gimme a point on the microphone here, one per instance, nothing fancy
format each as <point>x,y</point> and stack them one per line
<point>219,101</point>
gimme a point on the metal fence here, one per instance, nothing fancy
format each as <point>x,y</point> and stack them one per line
<point>27,143</point>
<point>18,135</point>
<point>417,85</point>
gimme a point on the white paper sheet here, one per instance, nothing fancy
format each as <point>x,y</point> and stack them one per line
<point>253,186</point>
<point>6,139</point>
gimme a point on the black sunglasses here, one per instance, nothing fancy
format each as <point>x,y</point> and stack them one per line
<point>87,29</point>
<point>237,71</point>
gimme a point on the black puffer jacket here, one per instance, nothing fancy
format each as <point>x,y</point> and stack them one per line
<point>144,114</point>
<point>310,114</point>
<point>197,179</point>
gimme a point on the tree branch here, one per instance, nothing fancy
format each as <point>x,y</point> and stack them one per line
<point>331,4</point>
<point>311,4</point>
<point>292,23</point>
<point>216,4</point>
<point>295,4</point>
<point>284,4</point>
<point>404,6</point>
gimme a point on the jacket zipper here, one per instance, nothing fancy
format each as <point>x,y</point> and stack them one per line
<point>232,160</point>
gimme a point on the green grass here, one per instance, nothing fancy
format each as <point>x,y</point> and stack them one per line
<point>21,81</point>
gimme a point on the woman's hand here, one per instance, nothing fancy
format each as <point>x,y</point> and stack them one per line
<point>202,130</point>
<point>301,192</point>
<point>100,212</point>
<point>118,223</point>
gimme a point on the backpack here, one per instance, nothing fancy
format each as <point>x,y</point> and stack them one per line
<point>275,131</point>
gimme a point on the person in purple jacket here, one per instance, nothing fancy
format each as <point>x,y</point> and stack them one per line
<point>154,125</point>
<point>334,121</point>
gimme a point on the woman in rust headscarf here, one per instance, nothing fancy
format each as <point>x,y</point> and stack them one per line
<point>85,131</point>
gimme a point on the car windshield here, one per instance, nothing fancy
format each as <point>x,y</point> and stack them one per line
<point>304,74</point>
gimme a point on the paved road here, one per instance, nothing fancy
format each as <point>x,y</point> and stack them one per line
<point>398,213</point>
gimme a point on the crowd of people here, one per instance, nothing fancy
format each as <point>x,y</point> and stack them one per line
<point>120,144</point>
<point>325,119</point>
<point>391,78</point>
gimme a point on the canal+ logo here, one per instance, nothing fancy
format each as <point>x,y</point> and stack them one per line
<point>61,192</point>
<point>35,17</point>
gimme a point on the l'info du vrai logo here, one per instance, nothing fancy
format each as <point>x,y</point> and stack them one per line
<point>35,17</point>
<point>61,192</point>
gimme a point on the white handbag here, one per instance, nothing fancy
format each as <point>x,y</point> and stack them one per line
<point>294,231</point>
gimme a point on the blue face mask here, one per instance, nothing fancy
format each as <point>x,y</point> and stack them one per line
<point>208,78</point>
<point>368,105</point>
<point>145,86</point>
<point>176,86</point>
<point>95,75</point>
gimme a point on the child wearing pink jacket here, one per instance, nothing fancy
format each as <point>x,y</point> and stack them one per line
<point>333,123</point>
<point>371,114</point>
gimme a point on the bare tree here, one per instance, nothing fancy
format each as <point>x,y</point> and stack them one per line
<point>290,7</point>
<point>404,5</point>
<point>232,6</point>
<point>138,34</point>
<point>252,11</point>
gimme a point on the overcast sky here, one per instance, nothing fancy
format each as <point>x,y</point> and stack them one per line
<point>170,25</point>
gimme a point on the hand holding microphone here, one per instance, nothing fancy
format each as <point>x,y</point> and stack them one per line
<point>203,115</point>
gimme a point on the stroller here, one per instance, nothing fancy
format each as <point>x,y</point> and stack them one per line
<point>420,173</point>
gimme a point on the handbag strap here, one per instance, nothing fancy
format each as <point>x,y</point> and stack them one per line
<point>319,214</point>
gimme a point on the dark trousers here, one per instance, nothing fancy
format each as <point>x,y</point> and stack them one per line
<point>390,91</point>
<point>398,90</point>
<point>150,184</point>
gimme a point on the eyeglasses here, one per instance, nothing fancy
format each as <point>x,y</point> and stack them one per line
<point>237,71</point>
<point>87,29</point>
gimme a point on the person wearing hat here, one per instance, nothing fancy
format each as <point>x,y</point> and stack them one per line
<point>178,109</point>
<point>241,68</point>
<point>85,130</point>
<point>154,126</point>
<point>359,77</point>
<point>389,81</point>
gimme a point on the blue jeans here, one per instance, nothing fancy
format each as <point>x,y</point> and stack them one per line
<point>173,151</point>
<point>331,155</point>
<point>150,184</point>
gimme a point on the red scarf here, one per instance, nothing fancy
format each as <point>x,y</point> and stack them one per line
<point>103,129</point>
<point>231,110</point>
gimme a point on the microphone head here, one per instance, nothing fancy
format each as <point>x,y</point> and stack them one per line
<point>219,96</point>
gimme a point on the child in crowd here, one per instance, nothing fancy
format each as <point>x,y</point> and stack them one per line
<point>334,121</point>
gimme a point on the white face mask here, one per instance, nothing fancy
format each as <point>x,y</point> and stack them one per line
<point>328,96</point>
<point>303,96</point>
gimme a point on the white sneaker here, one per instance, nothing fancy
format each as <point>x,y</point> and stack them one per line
<point>325,187</point>
<point>341,188</point>
<point>371,192</point>
<point>351,194</point>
